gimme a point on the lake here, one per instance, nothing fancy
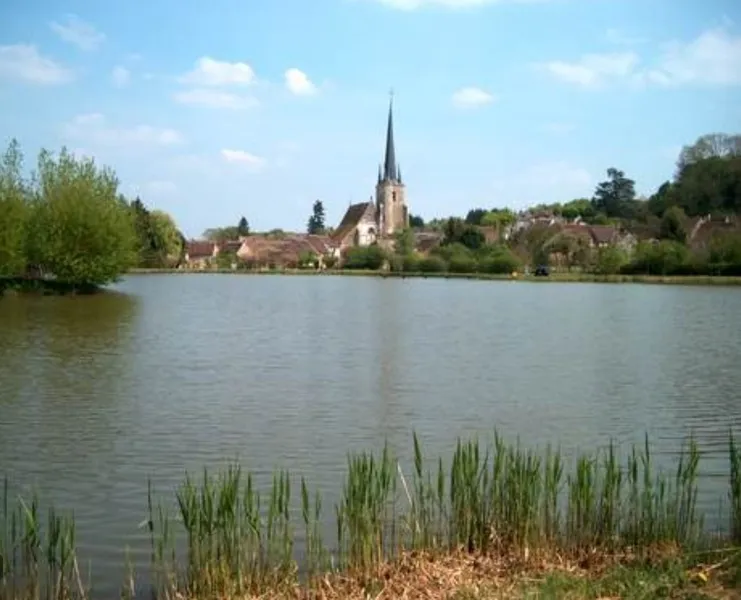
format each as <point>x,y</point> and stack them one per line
<point>172,373</point>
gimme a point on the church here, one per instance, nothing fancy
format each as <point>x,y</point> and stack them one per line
<point>373,221</point>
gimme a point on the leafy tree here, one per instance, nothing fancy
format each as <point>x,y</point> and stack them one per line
<point>167,237</point>
<point>416,222</point>
<point>663,258</point>
<point>456,231</point>
<point>580,207</point>
<point>711,145</point>
<point>243,227</point>
<point>404,242</point>
<point>498,260</point>
<point>81,233</point>
<point>673,225</point>
<point>307,259</point>
<point>316,220</point>
<point>615,197</point>
<point>431,264</point>
<point>13,212</point>
<point>610,260</point>
<point>475,215</point>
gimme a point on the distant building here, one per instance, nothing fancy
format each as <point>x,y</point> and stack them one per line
<point>369,222</point>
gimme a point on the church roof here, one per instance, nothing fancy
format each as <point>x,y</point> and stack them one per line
<point>389,165</point>
<point>353,216</point>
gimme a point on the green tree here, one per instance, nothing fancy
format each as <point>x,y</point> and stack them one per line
<point>456,231</point>
<point>13,212</point>
<point>673,225</point>
<point>167,238</point>
<point>81,233</point>
<point>615,197</point>
<point>710,145</point>
<point>243,227</point>
<point>365,257</point>
<point>610,260</point>
<point>404,242</point>
<point>416,222</point>
<point>316,220</point>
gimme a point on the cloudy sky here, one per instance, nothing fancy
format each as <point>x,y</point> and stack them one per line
<point>213,110</point>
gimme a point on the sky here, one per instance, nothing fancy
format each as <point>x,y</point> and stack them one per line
<point>214,110</point>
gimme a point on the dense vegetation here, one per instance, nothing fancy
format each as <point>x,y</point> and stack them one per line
<point>492,501</point>
<point>66,227</point>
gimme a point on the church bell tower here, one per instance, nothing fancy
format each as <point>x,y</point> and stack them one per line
<point>392,213</point>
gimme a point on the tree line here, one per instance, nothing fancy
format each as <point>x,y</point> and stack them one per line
<point>67,223</point>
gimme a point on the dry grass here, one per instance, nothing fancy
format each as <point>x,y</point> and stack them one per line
<point>464,576</point>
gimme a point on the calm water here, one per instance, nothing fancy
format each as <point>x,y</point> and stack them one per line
<point>179,372</point>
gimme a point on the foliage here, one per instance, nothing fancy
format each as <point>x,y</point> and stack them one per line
<point>498,260</point>
<point>673,225</point>
<point>316,220</point>
<point>14,212</point>
<point>404,242</point>
<point>416,222</point>
<point>610,261</point>
<point>80,231</point>
<point>307,259</point>
<point>243,227</point>
<point>615,197</point>
<point>431,264</point>
<point>662,258</point>
<point>457,231</point>
<point>365,257</point>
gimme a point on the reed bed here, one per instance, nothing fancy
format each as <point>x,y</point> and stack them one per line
<point>222,536</point>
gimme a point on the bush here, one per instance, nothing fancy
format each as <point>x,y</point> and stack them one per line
<point>462,264</point>
<point>498,260</point>
<point>411,263</point>
<point>432,264</point>
<point>365,257</point>
<point>662,258</point>
<point>610,261</point>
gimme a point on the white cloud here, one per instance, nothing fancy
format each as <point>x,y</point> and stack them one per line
<point>23,61</point>
<point>120,76</point>
<point>240,157</point>
<point>713,58</point>
<point>298,82</point>
<point>76,31</point>
<point>452,4</point>
<point>95,130</point>
<point>593,70</point>
<point>214,99</point>
<point>471,97</point>
<point>211,72</point>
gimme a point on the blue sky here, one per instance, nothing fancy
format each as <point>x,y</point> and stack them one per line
<point>212,110</point>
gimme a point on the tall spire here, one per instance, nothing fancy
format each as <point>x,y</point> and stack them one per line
<point>389,165</point>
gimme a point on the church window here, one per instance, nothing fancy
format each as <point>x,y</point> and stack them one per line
<point>393,196</point>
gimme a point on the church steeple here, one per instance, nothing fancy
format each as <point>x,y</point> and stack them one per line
<point>389,164</point>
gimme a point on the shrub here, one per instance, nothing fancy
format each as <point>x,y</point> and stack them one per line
<point>462,264</point>
<point>432,264</point>
<point>365,257</point>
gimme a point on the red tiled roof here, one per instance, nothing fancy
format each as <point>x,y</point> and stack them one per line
<point>200,249</point>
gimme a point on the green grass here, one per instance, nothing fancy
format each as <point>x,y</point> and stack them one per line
<point>227,537</point>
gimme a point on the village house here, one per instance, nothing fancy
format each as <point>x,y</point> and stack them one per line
<point>200,254</point>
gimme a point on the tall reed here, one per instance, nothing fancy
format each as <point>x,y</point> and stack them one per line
<point>227,537</point>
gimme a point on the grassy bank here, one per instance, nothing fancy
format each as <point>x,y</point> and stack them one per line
<point>492,518</point>
<point>573,277</point>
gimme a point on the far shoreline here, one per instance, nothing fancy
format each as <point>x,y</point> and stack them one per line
<point>697,280</point>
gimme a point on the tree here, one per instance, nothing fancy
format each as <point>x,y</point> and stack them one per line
<point>243,228</point>
<point>167,238</point>
<point>316,220</point>
<point>615,197</point>
<point>456,231</point>
<point>13,213</point>
<point>711,145</point>
<point>81,233</point>
<point>221,234</point>
<point>416,222</point>
<point>404,242</point>
<point>673,225</point>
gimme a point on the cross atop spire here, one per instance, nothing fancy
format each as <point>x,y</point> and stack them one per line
<point>389,164</point>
